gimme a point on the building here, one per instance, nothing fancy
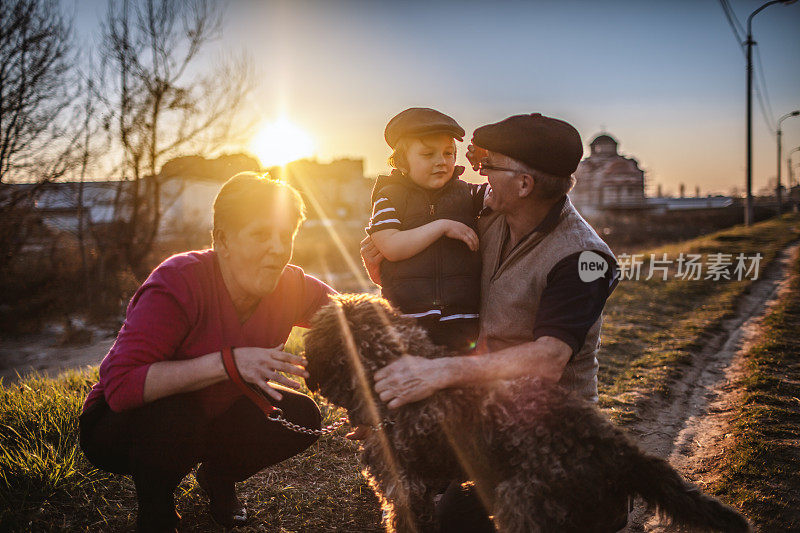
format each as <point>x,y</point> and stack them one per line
<point>335,190</point>
<point>35,213</point>
<point>700,203</point>
<point>59,204</point>
<point>607,180</point>
<point>188,187</point>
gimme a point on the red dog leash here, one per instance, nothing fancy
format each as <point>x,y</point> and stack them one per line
<point>255,395</point>
<point>275,414</point>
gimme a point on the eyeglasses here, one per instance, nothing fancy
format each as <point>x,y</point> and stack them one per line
<point>488,166</point>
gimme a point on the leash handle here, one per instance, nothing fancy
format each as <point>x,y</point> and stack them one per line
<point>250,391</point>
<point>274,414</point>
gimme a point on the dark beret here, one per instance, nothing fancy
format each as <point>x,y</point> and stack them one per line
<point>418,121</point>
<point>543,143</point>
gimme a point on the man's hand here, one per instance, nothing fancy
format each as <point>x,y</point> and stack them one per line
<point>410,379</point>
<point>372,258</point>
<point>259,366</point>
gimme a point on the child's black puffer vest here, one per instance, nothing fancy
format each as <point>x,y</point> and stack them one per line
<point>446,275</point>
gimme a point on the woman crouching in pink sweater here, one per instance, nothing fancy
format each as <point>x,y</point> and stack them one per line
<point>165,403</point>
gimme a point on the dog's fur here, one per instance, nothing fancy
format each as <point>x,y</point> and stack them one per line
<point>542,459</point>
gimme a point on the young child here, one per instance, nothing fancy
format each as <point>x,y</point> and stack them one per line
<point>423,223</point>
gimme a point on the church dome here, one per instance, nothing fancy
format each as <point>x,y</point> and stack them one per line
<point>604,139</point>
<point>604,145</point>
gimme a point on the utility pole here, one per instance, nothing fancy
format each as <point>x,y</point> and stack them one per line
<point>748,213</point>
<point>789,169</point>
<point>778,192</point>
<point>748,210</point>
<point>790,177</point>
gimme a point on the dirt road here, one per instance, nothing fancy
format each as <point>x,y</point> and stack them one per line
<point>690,427</point>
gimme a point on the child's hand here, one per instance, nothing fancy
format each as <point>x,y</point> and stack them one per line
<point>475,154</point>
<point>462,232</point>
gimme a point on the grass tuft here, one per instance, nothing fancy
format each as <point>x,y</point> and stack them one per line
<point>40,460</point>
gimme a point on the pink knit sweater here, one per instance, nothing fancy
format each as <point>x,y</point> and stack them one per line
<point>182,311</point>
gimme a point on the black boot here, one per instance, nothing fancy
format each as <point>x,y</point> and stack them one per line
<point>224,506</point>
<point>157,512</point>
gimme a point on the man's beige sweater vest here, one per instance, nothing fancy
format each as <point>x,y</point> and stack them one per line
<point>511,289</point>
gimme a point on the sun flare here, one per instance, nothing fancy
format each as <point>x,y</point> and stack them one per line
<point>280,142</point>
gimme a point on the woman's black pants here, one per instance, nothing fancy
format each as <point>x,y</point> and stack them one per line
<point>159,443</point>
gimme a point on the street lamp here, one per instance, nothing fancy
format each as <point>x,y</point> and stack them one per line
<point>790,177</point>
<point>778,191</point>
<point>748,214</point>
<point>789,166</point>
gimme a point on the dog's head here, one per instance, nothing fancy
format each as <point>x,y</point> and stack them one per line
<point>349,340</point>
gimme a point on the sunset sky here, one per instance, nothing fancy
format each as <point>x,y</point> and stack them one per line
<point>666,79</point>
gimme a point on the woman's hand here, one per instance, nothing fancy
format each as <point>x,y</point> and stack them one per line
<point>259,366</point>
<point>372,258</point>
<point>462,232</point>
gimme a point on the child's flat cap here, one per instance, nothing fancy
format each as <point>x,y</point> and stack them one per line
<point>418,121</point>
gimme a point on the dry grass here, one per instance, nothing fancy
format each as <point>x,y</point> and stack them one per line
<point>759,472</point>
<point>47,484</point>
<point>652,327</point>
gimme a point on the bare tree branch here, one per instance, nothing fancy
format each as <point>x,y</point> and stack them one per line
<point>38,141</point>
<point>160,108</point>
<point>35,75</point>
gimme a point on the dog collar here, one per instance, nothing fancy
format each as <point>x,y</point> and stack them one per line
<point>383,424</point>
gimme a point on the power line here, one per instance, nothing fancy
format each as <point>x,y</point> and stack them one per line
<point>735,18</point>
<point>730,16</point>
<point>766,111</point>
<point>760,86</point>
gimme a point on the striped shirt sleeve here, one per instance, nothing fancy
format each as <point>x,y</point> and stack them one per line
<point>384,215</point>
<point>479,191</point>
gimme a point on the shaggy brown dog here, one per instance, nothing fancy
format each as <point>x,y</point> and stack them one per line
<point>542,459</point>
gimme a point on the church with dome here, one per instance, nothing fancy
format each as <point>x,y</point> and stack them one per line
<point>607,180</point>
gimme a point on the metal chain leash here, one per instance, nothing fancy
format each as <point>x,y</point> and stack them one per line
<point>277,416</point>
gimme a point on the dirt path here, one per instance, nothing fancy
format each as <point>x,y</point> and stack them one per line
<point>690,427</point>
<point>42,353</point>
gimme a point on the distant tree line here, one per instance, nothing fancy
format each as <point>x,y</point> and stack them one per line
<point>143,99</point>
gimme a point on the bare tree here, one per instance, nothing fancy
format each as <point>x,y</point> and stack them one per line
<point>37,141</point>
<point>161,106</point>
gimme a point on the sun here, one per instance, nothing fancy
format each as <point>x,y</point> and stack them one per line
<point>280,142</point>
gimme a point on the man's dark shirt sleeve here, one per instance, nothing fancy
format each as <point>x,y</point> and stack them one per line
<point>569,306</point>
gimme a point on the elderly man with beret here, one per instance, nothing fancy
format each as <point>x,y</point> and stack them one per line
<point>541,305</point>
